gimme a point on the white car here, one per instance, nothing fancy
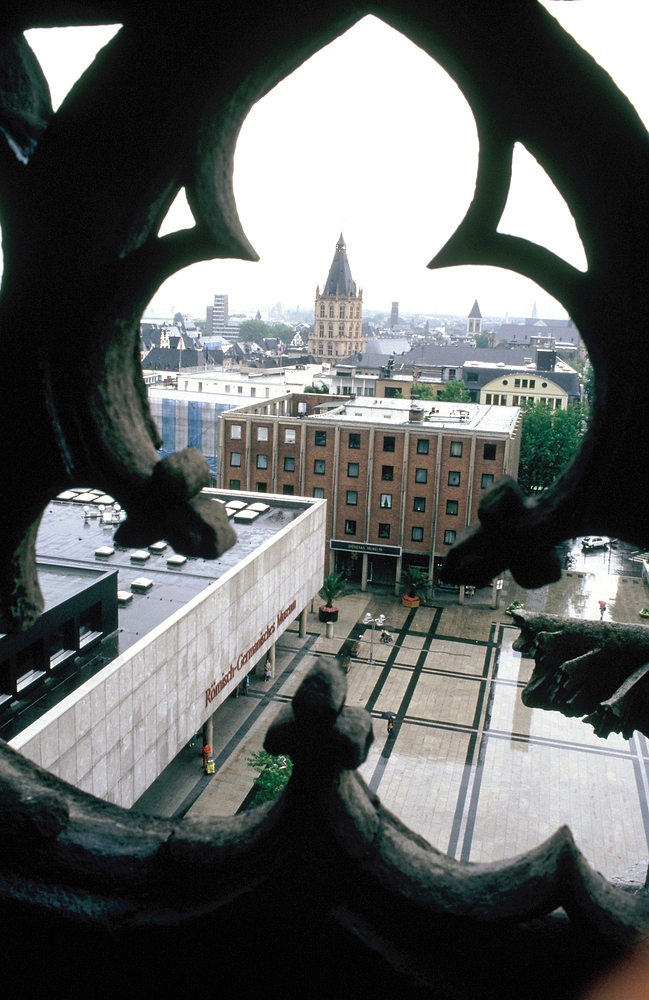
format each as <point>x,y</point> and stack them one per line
<point>592,542</point>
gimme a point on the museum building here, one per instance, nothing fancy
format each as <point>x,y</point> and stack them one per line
<point>136,649</point>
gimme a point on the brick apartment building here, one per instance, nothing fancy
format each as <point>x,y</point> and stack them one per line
<point>402,479</point>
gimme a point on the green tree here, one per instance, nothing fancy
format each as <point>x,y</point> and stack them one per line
<point>422,390</point>
<point>549,439</point>
<point>334,585</point>
<point>573,360</point>
<point>454,392</point>
<point>257,330</point>
<point>415,580</point>
<point>272,775</point>
<point>316,388</point>
<point>282,331</point>
<point>253,329</point>
<point>482,340</point>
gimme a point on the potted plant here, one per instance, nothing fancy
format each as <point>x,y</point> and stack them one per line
<point>514,606</point>
<point>416,582</point>
<point>348,650</point>
<point>334,585</point>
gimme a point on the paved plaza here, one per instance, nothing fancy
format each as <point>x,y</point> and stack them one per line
<point>468,766</point>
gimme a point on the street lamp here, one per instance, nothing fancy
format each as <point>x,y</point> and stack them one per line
<point>368,620</point>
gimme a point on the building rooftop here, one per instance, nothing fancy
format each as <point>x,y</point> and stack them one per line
<point>60,582</point>
<point>67,562</point>
<point>559,366</point>
<point>438,415</point>
<point>70,539</point>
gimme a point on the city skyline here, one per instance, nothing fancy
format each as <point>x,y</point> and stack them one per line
<point>400,188</point>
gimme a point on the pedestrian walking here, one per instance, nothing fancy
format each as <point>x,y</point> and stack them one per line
<point>390,726</point>
<point>602,608</point>
<point>246,685</point>
<point>267,671</point>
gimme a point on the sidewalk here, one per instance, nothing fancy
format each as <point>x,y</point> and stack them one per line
<point>240,724</point>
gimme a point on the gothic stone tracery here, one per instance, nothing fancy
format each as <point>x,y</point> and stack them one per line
<point>82,195</point>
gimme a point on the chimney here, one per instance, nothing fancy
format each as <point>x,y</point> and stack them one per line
<point>416,414</point>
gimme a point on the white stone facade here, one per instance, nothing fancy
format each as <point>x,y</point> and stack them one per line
<point>117,732</point>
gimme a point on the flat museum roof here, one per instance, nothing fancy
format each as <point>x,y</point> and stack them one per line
<point>69,539</point>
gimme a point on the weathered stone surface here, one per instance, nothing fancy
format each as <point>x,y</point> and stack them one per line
<point>82,196</point>
<point>599,670</point>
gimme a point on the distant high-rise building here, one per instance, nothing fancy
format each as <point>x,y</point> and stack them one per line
<point>474,321</point>
<point>394,315</point>
<point>217,317</point>
<point>338,321</point>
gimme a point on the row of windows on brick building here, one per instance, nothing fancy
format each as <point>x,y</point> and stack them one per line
<point>354,441</point>
<point>416,532</point>
<point>353,472</point>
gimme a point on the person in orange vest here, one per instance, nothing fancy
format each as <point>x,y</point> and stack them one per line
<point>207,753</point>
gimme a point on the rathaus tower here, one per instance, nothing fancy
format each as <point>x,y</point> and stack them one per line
<point>338,321</point>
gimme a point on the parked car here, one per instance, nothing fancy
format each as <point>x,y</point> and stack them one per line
<point>592,542</point>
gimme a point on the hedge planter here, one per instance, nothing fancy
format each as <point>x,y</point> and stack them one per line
<point>410,602</point>
<point>326,614</point>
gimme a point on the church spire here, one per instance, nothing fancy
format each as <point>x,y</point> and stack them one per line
<point>474,320</point>
<point>338,320</point>
<point>340,281</point>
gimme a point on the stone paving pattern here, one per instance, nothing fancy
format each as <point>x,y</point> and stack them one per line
<point>468,767</point>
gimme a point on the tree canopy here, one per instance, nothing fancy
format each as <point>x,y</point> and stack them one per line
<point>454,392</point>
<point>256,330</point>
<point>549,439</point>
<point>423,390</point>
<point>272,775</point>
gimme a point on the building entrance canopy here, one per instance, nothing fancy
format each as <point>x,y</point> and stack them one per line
<point>377,550</point>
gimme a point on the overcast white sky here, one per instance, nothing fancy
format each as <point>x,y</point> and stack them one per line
<point>397,179</point>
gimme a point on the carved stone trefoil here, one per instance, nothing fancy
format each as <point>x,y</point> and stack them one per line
<point>591,669</point>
